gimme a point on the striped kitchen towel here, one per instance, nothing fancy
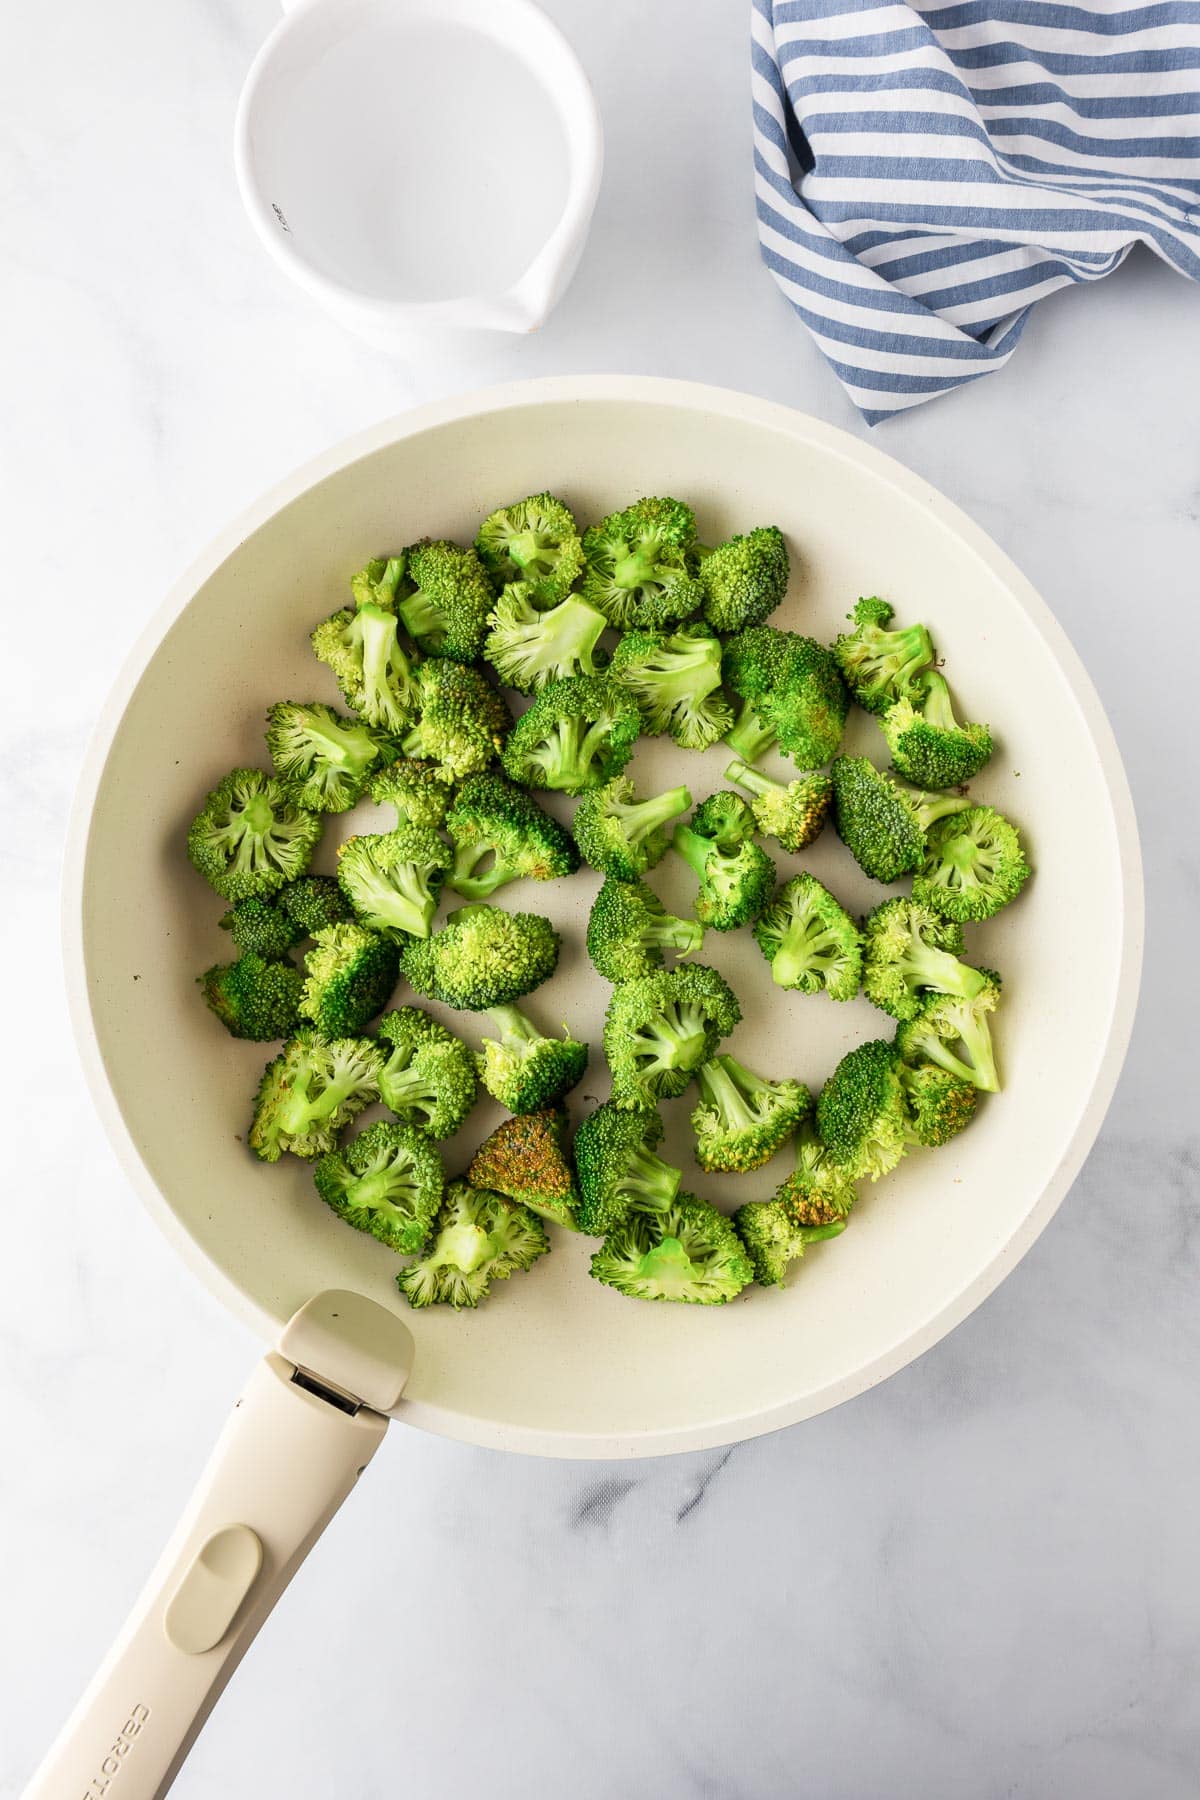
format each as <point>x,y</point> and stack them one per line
<point>925,173</point>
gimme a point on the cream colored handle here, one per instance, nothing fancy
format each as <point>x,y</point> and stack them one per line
<point>286,1460</point>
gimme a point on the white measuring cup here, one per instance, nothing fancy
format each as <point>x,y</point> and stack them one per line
<point>421,166</point>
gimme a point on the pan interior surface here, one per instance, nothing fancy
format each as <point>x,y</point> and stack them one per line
<point>553,1362</point>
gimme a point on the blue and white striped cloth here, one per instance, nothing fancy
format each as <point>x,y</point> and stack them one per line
<point>925,173</point>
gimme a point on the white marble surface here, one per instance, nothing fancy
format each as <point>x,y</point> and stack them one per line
<point>981,1578</point>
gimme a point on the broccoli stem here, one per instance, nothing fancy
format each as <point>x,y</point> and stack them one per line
<point>637,566</point>
<point>925,967</point>
<point>649,1179</point>
<point>514,1028</point>
<point>350,750</point>
<point>421,617</point>
<point>750,739</point>
<point>642,817</point>
<point>468,858</point>
<point>696,851</point>
<point>806,944</point>
<point>378,643</point>
<point>729,1095</point>
<point>667,932</point>
<point>928,806</point>
<point>753,780</point>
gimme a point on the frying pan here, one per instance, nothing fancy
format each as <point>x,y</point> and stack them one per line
<point>554,1363</point>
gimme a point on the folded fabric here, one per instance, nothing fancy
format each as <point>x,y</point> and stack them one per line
<point>924,174</point>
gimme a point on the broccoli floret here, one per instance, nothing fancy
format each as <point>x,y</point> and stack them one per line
<point>877,665</point>
<point>637,566</point>
<point>617,1168</point>
<point>379,581</point>
<point>810,941</point>
<point>428,1079</point>
<point>974,865</point>
<point>535,542</point>
<point>526,1159</point>
<point>577,735</point>
<point>791,812</point>
<point>908,951</point>
<point>659,1029</point>
<point>362,647</point>
<point>954,1034</point>
<point>940,1105</point>
<point>254,998</point>
<point>688,1252</point>
<point>862,1113</point>
<point>726,819</point>
<point>447,612</point>
<point>393,878</point>
<point>310,1090</point>
<point>676,680</point>
<point>881,822</point>
<point>463,720</point>
<point>314,902</point>
<point>501,834</point>
<point>483,957</point>
<point>250,837</point>
<point>419,791</point>
<point>479,1238</point>
<point>735,885</point>
<point>524,1070</point>
<point>620,835</point>
<point>773,1237</point>
<point>263,928</point>
<point>529,649</point>
<point>351,975</point>
<point>742,1118</point>
<point>790,693</point>
<point>745,579</point>
<point>388,1181</point>
<point>929,747</point>
<point>818,1191</point>
<point>629,928</point>
<point>322,759</point>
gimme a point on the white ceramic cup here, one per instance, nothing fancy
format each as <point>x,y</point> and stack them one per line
<point>421,166</point>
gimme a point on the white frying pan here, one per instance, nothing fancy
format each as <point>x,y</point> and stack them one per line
<point>553,1363</point>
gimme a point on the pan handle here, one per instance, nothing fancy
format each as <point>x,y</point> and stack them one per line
<point>293,1448</point>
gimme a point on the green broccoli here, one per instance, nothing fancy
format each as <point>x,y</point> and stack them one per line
<point>263,928</point>
<point>878,665</point>
<point>419,791</point>
<point>250,837</point>
<point>637,565</point>
<point>526,1159</point>
<point>388,1181</point>
<point>483,957</point>
<point>620,835</point>
<point>534,542</point>
<point>940,1105</point>
<point>577,735</point>
<point>742,1118</point>
<point>254,998</point>
<point>617,1168</point>
<point>726,819</point>
<point>351,975</point>
<point>310,1090</point>
<point>676,680</point>
<point>362,647</point>
<point>774,1237</point>
<point>974,865</point>
<point>908,951</point>
<point>929,747</point>
<point>629,928</point>
<point>463,720</point>
<point>954,1034</point>
<point>314,902</point>
<point>735,885</point>
<point>322,759</point>
<point>501,834</point>
<point>810,941</point>
<point>659,1029</point>
<point>745,579</point>
<point>529,649</point>
<point>524,1070</point>
<point>393,878</point>
<point>818,1191</point>
<point>790,693</point>
<point>791,812</point>
<point>881,822</point>
<point>428,1079</point>
<point>862,1112</point>
<point>447,612</point>
<point>378,583</point>
<point>687,1252</point>
<point>479,1238</point>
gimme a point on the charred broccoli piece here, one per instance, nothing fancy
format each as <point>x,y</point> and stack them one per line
<point>661,1027</point>
<point>810,941</point>
<point>676,680</point>
<point>881,822</point>
<point>419,791</point>
<point>745,579</point>
<point>322,759</point>
<point>526,1159</point>
<point>735,885</point>
<point>534,542</point>
<point>483,957</point>
<point>929,747</point>
<point>954,1034</point>
<point>790,694</point>
<point>687,1251</point>
<point>940,1105</point>
<point>862,1112</point>
<point>818,1191</point>
<point>263,928</point>
<point>909,951</point>
<point>388,1181</point>
<point>393,878</point>
<point>774,1237</point>
<point>524,1070</point>
<point>250,837</point>
<point>254,998</point>
<point>479,1238</point>
<point>878,665</point>
<point>629,929</point>
<point>620,835</point>
<point>742,1118</point>
<point>501,834</point>
<point>446,614</point>
<point>310,1090</point>
<point>637,565</point>
<point>974,865</point>
<point>791,812</point>
<point>577,735</point>
<point>529,649</point>
<point>314,902</point>
<point>617,1168</point>
<point>428,1079</point>
<point>351,975</point>
<point>462,722</point>
<point>362,647</point>
<point>726,819</point>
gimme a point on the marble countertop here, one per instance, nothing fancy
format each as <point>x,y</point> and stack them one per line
<point>979,1579</point>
